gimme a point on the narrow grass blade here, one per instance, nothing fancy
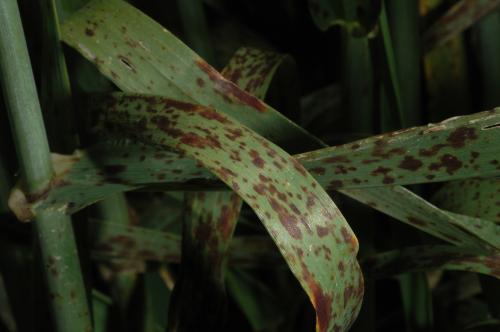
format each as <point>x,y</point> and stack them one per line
<point>404,28</point>
<point>100,306</point>
<point>210,219</point>
<point>409,208</point>
<point>459,17</point>
<point>422,258</point>
<point>474,197</point>
<point>112,240</point>
<point>437,152</point>
<point>196,29</point>
<point>255,300</point>
<point>157,299</point>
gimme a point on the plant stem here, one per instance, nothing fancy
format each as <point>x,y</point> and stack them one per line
<point>53,228</point>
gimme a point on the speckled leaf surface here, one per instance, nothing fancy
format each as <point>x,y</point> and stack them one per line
<point>310,232</point>
<point>140,56</point>
<point>357,16</point>
<point>114,240</point>
<point>459,17</point>
<point>209,222</point>
<point>253,70</point>
<point>211,217</point>
<point>472,197</point>
<point>111,240</point>
<point>459,147</point>
<point>402,204</point>
<point>423,258</point>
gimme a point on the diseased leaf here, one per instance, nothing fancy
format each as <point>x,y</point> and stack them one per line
<point>456,148</point>
<point>409,208</point>
<point>113,240</point>
<point>458,18</point>
<point>423,258</point>
<point>295,210</point>
<point>253,70</point>
<point>210,219</point>
<point>114,40</point>
<point>474,197</point>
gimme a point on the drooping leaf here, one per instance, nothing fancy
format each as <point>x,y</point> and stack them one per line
<point>296,214</point>
<point>454,149</point>
<point>161,64</point>
<point>112,240</point>
<point>474,197</point>
<point>209,221</point>
<point>421,258</point>
<point>402,204</point>
<point>437,152</point>
<point>458,18</point>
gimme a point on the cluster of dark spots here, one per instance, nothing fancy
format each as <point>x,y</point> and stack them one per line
<point>298,166</point>
<point>459,137</point>
<point>383,171</point>
<point>200,142</point>
<point>234,134</point>
<point>431,151</point>
<point>227,88</point>
<point>256,159</point>
<point>380,147</point>
<point>349,238</point>
<point>348,291</point>
<point>89,32</point>
<point>410,163</point>
<point>166,125</point>
<point>318,170</point>
<point>225,173</point>
<point>227,221</point>
<point>473,156</point>
<point>336,159</point>
<point>235,155</point>
<point>355,146</point>
<point>451,163</point>
<point>335,184</point>
<point>211,114</point>
<point>430,176</point>
<point>321,301</point>
<point>288,221</point>
<point>322,231</point>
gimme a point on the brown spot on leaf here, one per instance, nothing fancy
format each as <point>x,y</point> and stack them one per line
<point>459,137</point>
<point>89,32</point>
<point>410,163</point>
<point>451,163</point>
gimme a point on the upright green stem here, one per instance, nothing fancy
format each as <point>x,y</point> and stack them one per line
<point>53,228</point>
